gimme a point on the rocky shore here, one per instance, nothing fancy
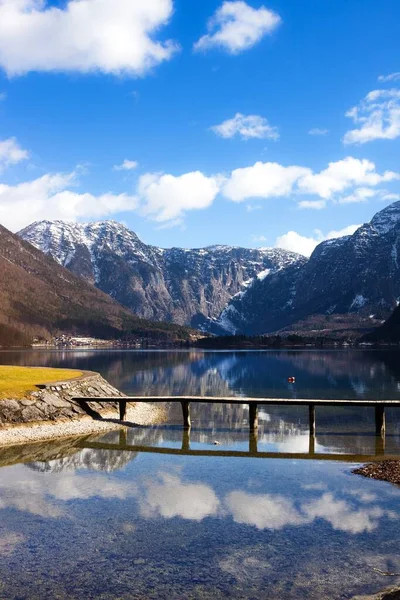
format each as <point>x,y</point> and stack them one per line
<point>388,470</point>
<point>52,412</point>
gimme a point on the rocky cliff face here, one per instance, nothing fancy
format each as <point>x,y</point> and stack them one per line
<point>185,286</point>
<point>353,275</point>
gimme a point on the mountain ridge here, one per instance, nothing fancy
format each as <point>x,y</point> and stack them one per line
<point>40,298</point>
<point>181,285</point>
<point>356,274</point>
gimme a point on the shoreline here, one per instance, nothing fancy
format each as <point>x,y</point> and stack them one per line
<point>140,415</point>
<point>52,411</point>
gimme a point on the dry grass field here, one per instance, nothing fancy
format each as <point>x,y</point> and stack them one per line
<point>18,382</point>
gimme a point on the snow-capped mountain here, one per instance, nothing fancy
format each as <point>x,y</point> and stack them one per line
<point>186,286</point>
<point>354,275</point>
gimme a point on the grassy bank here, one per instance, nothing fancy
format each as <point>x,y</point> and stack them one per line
<point>19,382</point>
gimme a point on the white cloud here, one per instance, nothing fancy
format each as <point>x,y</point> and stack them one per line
<point>317,131</point>
<point>390,77</point>
<point>341,175</point>
<point>236,26</point>
<point>295,242</point>
<point>342,516</point>
<point>167,198</point>
<point>359,195</point>
<point>349,230</point>
<point>391,197</point>
<point>263,511</point>
<point>111,36</point>
<point>377,117</point>
<point>306,245</point>
<point>258,239</point>
<point>247,127</point>
<point>312,204</point>
<point>127,165</point>
<point>11,153</point>
<point>272,180</point>
<point>3,96</point>
<point>270,511</point>
<point>170,497</point>
<point>262,180</point>
<point>49,198</point>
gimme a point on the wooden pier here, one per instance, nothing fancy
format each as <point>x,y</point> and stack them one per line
<point>186,401</point>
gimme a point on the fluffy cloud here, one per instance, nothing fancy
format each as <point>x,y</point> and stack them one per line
<point>312,204</point>
<point>306,245</point>
<point>127,165</point>
<point>236,26</point>
<point>390,197</point>
<point>342,175</point>
<point>349,230</point>
<point>166,197</point>
<point>377,118</point>
<point>170,497</point>
<point>262,180</point>
<point>270,511</point>
<point>295,242</point>
<point>390,77</point>
<point>247,127</point>
<point>82,36</point>
<point>11,153</point>
<point>269,180</point>
<point>263,511</point>
<point>49,198</point>
<point>342,516</point>
<point>317,131</point>
<point>359,195</point>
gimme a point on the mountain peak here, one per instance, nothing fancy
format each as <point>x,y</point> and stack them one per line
<point>387,219</point>
<point>179,285</point>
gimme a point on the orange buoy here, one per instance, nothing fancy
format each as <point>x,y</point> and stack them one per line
<point>292,379</point>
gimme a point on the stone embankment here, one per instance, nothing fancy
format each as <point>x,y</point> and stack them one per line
<point>54,402</point>
<point>51,412</point>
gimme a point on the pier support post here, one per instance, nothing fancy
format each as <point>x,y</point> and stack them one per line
<point>253,442</point>
<point>122,410</point>
<point>123,437</point>
<point>380,421</point>
<point>186,415</point>
<point>253,417</point>
<point>186,440</point>
<point>311,410</point>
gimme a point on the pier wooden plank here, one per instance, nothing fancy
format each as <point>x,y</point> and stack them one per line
<point>239,400</point>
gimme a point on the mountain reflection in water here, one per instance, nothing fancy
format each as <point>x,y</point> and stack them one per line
<point>79,520</point>
<point>319,374</point>
<point>131,525</point>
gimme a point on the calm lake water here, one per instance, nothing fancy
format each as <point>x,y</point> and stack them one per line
<point>82,520</point>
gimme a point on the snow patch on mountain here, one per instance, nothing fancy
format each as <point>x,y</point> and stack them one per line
<point>182,285</point>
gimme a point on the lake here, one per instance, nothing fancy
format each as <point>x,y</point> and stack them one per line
<point>82,520</point>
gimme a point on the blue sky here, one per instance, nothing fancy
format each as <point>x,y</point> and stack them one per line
<point>190,120</point>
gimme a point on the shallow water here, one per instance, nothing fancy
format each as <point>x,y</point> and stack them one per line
<point>79,519</point>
